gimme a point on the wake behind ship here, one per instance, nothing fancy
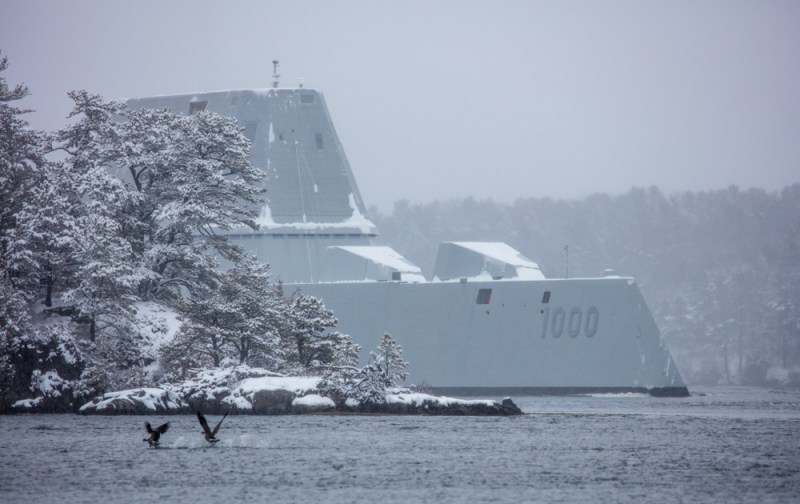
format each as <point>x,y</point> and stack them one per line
<point>486,322</point>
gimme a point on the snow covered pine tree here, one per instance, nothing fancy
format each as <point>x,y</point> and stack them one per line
<point>367,385</point>
<point>24,347</point>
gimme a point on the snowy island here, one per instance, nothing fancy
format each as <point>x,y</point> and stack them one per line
<point>246,390</point>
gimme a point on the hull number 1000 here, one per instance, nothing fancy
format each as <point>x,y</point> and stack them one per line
<point>570,323</point>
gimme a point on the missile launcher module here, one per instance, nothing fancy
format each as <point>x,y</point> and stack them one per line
<point>487,322</point>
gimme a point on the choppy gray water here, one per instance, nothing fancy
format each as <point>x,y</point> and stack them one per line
<point>729,445</point>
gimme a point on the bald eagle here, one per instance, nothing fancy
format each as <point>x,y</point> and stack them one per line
<point>209,434</point>
<point>155,434</point>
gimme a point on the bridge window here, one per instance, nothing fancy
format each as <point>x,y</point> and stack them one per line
<point>306,98</point>
<point>546,297</point>
<point>318,137</point>
<point>484,296</point>
<point>197,106</point>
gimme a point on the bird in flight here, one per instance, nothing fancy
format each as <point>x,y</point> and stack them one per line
<point>155,434</point>
<point>209,434</point>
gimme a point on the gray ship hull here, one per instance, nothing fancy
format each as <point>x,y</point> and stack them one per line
<point>591,336</point>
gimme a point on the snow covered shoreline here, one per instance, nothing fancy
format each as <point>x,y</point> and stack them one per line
<point>254,391</point>
<point>282,396</point>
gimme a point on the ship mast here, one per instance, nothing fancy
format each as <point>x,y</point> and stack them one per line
<point>275,76</point>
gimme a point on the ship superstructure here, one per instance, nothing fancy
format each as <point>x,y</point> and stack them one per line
<point>486,322</point>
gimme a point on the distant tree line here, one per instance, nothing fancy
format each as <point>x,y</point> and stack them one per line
<point>719,269</point>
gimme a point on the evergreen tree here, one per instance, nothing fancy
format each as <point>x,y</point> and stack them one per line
<point>231,322</point>
<point>181,179</point>
<point>194,177</point>
<point>105,272</point>
<point>387,361</point>
<point>369,384</point>
<point>309,345</point>
<point>22,166</point>
<point>21,161</point>
<point>252,306</point>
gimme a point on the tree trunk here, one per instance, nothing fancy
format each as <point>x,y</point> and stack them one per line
<point>48,297</point>
<point>244,351</point>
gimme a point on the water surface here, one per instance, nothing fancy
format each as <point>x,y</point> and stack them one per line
<point>726,445</point>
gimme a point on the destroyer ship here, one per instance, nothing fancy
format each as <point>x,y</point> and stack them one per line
<point>486,322</point>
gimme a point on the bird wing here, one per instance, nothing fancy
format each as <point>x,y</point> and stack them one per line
<point>148,428</point>
<point>161,429</point>
<point>216,429</point>
<point>203,423</point>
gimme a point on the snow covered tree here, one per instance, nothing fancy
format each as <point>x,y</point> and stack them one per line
<point>308,345</point>
<point>21,155</point>
<point>387,361</point>
<point>21,158</point>
<point>369,384</point>
<point>106,270</point>
<point>247,297</point>
<point>14,325</point>
<point>21,171</point>
<point>246,320</point>
<point>171,183</point>
<point>198,342</point>
<point>32,350</point>
<point>42,242</point>
<point>143,194</point>
<point>194,177</point>
<point>233,321</point>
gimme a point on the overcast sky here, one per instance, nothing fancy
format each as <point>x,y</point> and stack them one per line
<point>436,99</point>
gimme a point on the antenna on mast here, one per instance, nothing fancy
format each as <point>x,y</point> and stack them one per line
<point>275,75</point>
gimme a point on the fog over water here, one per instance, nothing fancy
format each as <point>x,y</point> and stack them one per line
<point>448,99</point>
<point>720,445</point>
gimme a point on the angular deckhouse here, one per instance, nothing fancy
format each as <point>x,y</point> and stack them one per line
<point>486,322</point>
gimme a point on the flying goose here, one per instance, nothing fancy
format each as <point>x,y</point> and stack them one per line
<point>209,434</point>
<point>155,434</point>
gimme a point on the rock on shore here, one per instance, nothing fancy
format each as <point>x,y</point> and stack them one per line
<point>136,402</point>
